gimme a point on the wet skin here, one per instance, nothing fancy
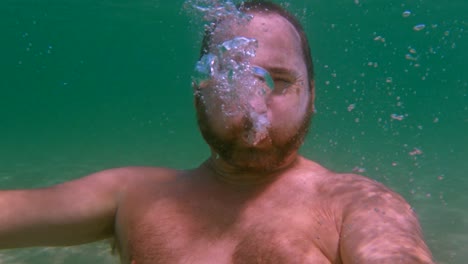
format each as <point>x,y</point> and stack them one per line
<point>286,210</point>
<point>255,204</point>
<point>307,214</point>
<point>287,107</point>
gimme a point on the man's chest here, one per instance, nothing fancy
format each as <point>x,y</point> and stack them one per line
<point>170,233</point>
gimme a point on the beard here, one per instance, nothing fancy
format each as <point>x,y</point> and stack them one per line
<point>251,158</point>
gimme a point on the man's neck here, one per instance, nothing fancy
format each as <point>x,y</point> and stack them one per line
<point>244,177</point>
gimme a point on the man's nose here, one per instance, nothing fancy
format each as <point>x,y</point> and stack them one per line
<point>258,104</point>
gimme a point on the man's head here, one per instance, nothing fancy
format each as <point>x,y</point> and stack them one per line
<point>265,7</point>
<point>286,110</point>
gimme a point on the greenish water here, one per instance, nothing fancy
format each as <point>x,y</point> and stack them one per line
<point>89,85</point>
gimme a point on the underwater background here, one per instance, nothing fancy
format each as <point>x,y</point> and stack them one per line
<point>90,85</point>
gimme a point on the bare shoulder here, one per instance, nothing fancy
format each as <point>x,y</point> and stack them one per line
<point>113,184</point>
<point>350,188</point>
<point>355,197</point>
<point>132,176</point>
<point>344,190</point>
<point>347,193</point>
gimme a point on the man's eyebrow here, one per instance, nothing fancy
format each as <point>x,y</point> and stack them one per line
<point>280,70</point>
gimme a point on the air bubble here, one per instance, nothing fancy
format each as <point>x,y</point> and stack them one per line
<point>359,169</point>
<point>234,85</point>
<point>410,57</point>
<point>213,10</point>
<point>419,27</point>
<point>379,39</point>
<point>397,117</point>
<point>265,75</point>
<point>415,152</point>
<point>405,14</point>
<point>412,50</point>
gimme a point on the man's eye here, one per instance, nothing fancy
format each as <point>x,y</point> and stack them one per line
<point>263,75</point>
<point>281,84</point>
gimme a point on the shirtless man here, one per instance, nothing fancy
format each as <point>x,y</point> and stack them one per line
<point>250,202</point>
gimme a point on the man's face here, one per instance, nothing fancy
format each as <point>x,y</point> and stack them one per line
<point>285,110</point>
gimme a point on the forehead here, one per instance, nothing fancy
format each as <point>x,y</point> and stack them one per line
<point>277,38</point>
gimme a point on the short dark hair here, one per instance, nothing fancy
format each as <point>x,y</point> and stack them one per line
<point>267,7</point>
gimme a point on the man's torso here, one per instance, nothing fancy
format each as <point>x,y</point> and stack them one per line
<point>189,218</point>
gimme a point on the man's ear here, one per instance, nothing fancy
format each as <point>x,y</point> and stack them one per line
<point>312,96</point>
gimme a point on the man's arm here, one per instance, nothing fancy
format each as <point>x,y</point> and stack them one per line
<point>379,226</point>
<point>70,213</point>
